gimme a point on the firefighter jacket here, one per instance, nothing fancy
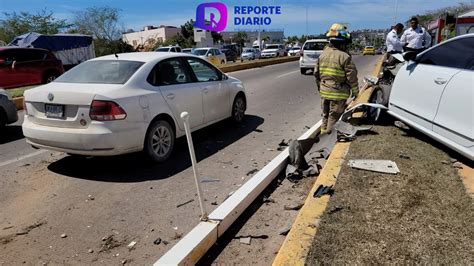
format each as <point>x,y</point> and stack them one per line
<point>336,75</point>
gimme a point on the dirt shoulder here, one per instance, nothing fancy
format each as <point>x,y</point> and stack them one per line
<point>422,215</point>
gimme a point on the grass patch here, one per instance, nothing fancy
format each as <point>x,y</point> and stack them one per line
<point>421,216</point>
<point>18,92</point>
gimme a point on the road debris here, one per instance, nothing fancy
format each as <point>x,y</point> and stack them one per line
<point>323,190</point>
<point>245,240</point>
<point>401,125</point>
<point>184,203</point>
<point>347,115</point>
<point>404,156</point>
<point>90,251</point>
<point>285,230</point>
<point>157,241</point>
<point>131,246</point>
<point>348,132</point>
<point>210,180</point>
<point>90,197</point>
<point>214,203</point>
<point>266,199</point>
<point>251,172</point>
<point>336,209</point>
<point>63,236</point>
<point>294,207</point>
<point>109,243</point>
<point>379,166</point>
<point>283,144</point>
<point>27,229</point>
<point>458,165</point>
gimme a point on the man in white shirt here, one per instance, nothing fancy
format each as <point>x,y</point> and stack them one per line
<point>416,38</point>
<point>393,43</point>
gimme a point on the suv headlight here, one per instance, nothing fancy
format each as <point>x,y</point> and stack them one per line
<point>6,94</point>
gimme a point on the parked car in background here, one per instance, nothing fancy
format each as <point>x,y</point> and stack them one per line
<point>234,47</point>
<point>250,54</point>
<point>230,55</point>
<point>71,49</point>
<point>169,49</point>
<point>27,66</point>
<point>295,50</point>
<point>8,113</point>
<point>310,52</point>
<point>434,92</point>
<point>368,50</point>
<point>188,50</point>
<point>379,50</point>
<point>273,50</point>
<point>213,55</point>
<point>130,102</point>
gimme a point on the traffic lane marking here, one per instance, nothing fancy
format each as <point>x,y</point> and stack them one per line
<point>286,74</point>
<point>18,159</point>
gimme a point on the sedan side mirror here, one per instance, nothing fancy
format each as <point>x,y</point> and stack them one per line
<point>409,56</point>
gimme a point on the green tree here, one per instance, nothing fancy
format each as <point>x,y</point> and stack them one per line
<point>428,16</point>
<point>106,47</point>
<point>216,36</point>
<point>42,22</point>
<point>100,22</point>
<point>240,38</point>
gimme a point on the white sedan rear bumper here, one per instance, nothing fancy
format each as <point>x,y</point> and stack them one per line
<point>98,139</point>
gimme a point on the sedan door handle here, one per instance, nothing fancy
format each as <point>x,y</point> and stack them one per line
<point>440,81</point>
<point>171,96</point>
<point>205,90</point>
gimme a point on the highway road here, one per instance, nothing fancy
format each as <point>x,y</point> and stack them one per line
<point>61,209</point>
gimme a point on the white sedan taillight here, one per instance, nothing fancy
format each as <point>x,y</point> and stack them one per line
<point>106,111</point>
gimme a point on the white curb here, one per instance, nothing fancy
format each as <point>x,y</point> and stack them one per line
<point>196,243</point>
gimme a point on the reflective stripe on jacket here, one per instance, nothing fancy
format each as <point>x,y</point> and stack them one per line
<point>336,75</point>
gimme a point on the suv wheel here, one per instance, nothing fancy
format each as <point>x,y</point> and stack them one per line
<point>303,71</point>
<point>159,141</point>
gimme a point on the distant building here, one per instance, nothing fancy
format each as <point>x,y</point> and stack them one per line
<point>150,34</point>
<point>203,38</point>
<point>273,36</point>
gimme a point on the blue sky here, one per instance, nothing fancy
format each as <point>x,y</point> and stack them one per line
<point>321,14</point>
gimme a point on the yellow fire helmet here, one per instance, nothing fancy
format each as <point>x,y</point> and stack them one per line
<point>338,32</point>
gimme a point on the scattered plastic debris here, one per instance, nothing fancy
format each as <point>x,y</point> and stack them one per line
<point>157,241</point>
<point>294,207</point>
<point>245,240</point>
<point>185,203</point>
<point>251,172</point>
<point>131,246</point>
<point>379,166</point>
<point>323,190</point>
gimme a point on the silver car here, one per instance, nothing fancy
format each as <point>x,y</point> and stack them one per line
<point>250,54</point>
<point>8,113</point>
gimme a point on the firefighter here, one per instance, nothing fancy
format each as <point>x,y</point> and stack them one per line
<point>336,76</point>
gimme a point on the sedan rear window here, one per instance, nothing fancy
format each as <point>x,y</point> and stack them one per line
<point>200,51</point>
<point>101,71</point>
<point>162,49</point>
<point>315,46</point>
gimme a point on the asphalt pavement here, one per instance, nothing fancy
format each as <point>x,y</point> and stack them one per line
<point>103,204</point>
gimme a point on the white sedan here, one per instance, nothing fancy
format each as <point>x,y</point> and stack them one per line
<point>125,103</point>
<point>434,93</point>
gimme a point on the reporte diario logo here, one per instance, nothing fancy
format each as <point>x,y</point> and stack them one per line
<point>211,16</point>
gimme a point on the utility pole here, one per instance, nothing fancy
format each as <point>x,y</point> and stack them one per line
<point>307,22</point>
<point>396,12</point>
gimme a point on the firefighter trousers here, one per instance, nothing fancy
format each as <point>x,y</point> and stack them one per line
<point>332,111</point>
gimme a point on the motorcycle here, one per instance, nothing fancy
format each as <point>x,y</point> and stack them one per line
<point>382,84</point>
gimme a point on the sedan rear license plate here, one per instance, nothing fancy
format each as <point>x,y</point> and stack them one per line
<point>312,56</point>
<point>54,111</point>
